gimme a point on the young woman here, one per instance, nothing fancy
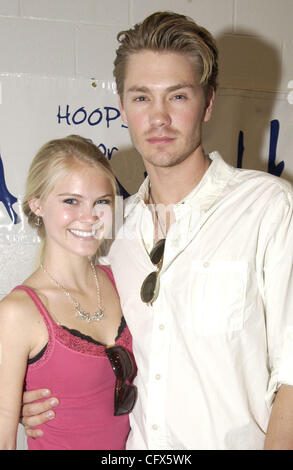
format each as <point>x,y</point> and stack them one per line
<point>63,327</point>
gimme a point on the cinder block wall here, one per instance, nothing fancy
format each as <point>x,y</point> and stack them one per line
<point>76,38</point>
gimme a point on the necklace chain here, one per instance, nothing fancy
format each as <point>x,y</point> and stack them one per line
<point>157,214</point>
<point>98,314</point>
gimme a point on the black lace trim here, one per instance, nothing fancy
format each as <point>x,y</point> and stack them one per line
<point>92,340</point>
<point>82,336</point>
<point>38,356</point>
<point>121,328</point>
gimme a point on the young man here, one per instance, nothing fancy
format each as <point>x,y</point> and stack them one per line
<point>213,328</point>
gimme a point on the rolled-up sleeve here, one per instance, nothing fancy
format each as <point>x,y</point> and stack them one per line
<point>278,294</point>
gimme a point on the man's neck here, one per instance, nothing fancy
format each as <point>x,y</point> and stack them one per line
<point>171,185</point>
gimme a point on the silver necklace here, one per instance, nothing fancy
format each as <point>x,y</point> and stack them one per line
<point>98,315</point>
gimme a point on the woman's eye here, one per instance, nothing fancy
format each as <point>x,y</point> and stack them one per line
<point>70,201</point>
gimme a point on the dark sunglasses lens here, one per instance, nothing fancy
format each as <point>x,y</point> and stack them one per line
<point>148,288</point>
<point>125,399</point>
<point>157,252</point>
<point>121,362</point>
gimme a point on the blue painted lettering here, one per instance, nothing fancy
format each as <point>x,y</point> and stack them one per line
<point>100,117</point>
<point>240,150</point>
<point>93,118</point>
<point>83,113</point>
<point>107,152</point>
<point>66,116</point>
<point>109,117</point>
<point>274,169</point>
<point>6,197</point>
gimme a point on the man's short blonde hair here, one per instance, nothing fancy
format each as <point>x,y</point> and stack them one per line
<point>169,32</point>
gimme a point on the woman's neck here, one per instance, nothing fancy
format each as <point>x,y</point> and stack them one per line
<point>74,271</point>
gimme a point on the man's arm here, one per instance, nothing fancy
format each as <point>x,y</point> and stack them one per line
<point>35,414</point>
<point>280,429</point>
<point>278,300</point>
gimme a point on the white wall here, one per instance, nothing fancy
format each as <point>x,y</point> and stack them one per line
<point>76,39</point>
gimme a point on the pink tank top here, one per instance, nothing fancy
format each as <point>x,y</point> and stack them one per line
<point>79,374</point>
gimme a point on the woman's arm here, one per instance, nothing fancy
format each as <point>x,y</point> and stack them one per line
<point>14,352</point>
<point>280,429</point>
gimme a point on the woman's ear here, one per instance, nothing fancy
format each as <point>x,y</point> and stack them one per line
<point>35,207</point>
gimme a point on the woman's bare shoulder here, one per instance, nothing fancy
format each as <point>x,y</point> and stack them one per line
<point>16,306</point>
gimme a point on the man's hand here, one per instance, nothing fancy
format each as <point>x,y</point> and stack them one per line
<point>34,414</point>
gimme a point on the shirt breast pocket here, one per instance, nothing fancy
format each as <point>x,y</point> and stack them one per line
<point>217,292</point>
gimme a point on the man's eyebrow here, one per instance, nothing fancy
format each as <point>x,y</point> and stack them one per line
<point>137,88</point>
<point>145,89</point>
<point>179,86</point>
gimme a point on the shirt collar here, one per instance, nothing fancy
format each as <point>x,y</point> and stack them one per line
<point>141,196</point>
<point>205,192</point>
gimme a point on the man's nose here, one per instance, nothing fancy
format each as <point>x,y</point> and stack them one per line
<point>160,115</point>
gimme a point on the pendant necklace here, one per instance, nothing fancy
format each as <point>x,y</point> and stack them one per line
<point>81,314</point>
<point>157,218</point>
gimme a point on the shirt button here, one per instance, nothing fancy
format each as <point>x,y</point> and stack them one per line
<point>154,427</point>
<point>206,264</point>
<point>162,327</point>
<point>158,376</point>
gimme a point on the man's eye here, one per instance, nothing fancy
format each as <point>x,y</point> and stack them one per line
<point>179,97</point>
<point>103,201</point>
<point>140,98</point>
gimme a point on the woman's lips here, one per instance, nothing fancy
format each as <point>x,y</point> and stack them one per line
<point>82,234</point>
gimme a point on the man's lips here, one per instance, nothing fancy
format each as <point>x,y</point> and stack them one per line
<point>160,140</point>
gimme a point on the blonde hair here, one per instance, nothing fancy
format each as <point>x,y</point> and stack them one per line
<point>51,162</point>
<point>169,32</point>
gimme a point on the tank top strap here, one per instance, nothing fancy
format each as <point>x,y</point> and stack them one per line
<point>109,273</point>
<point>41,307</point>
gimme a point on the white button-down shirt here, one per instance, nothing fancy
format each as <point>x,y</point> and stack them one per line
<point>218,341</point>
